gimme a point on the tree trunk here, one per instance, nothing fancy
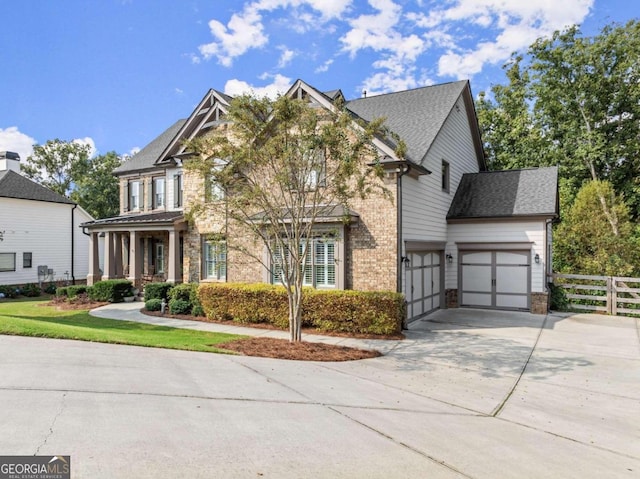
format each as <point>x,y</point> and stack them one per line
<point>295,313</point>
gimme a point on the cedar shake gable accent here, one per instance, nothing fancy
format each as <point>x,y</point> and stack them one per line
<point>506,194</point>
<point>14,185</point>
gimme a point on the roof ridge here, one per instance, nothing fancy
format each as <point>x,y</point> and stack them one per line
<point>424,87</point>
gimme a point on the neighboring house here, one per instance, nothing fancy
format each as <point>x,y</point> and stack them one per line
<point>40,235</point>
<point>454,234</point>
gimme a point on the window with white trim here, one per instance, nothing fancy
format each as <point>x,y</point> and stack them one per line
<point>214,259</point>
<point>134,195</point>
<point>159,257</point>
<point>158,193</point>
<point>7,261</point>
<point>317,169</point>
<point>319,265</point>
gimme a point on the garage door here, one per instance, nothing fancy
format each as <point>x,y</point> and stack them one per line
<point>495,279</point>
<point>423,283</point>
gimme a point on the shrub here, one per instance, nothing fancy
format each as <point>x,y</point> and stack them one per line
<point>157,291</point>
<point>31,290</point>
<point>9,291</point>
<point>74,291</point>
<point>62,291</point>
<point>154,304</point>
<point>50,288</point>
<point>196,310</point>
<point>344,311</point>
<point>112,290</point>
<point>188,292</point>
<point>559,300</point>
<point>179,306</point>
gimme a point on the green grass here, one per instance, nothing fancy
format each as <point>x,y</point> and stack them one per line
<point>32,318</point>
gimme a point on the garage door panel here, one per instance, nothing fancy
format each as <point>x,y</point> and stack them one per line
<point>512,279</point>
<point>511,301</point>
<point>423,283</point>
<point>436,280</point>
<point>476,299</point>
<point>477,258</point>
<point>504,257</point>
<point>476,278</point>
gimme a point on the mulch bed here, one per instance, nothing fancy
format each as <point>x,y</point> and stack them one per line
<point>80,302</point>
<point>303,351</point>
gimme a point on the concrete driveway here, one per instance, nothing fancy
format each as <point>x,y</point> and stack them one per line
<point>469,393</point>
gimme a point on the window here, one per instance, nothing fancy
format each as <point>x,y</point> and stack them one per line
<point>177,191</point>
<point>135,195</point>
<point>215,259</point>
<point>319,269</point>
<point>27,260</point>
<point>7,261</point>
<point>158,193</point>
<point>317,169</point>
<point>159,257</point>
<point>445,176</point>
<point>212,190</point>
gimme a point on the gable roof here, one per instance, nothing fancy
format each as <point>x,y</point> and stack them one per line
<point>14,185</point>
<point>147,157</point>
<point>416,116</point>
<point>506,194</point>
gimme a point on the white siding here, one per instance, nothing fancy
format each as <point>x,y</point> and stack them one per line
<point>499,232</point>
<point>424,203</point>
<point>43,229</point>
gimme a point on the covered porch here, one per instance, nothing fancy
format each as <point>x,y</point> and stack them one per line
<point>140,248</point>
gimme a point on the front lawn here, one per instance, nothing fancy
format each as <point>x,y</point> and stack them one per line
<point>32,318</point>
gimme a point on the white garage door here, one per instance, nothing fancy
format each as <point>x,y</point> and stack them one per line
<point>423,283</point>
<point>495,279</point>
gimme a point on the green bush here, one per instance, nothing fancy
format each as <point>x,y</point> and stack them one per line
<point>559,300</point>
<point>344,311</point>
<point>157,291</point>
<point>9,291</point>
<point>74,291</point>
<point>196,310</point>
<point>188,292</point>
<point>154,304</point>
<point>179,306</point>
<point>50,288</point>
<point>31,290</point>
<point>62,291</point>
<point>112,290</point>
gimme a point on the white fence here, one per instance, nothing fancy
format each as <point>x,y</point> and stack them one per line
<point>607,294</point>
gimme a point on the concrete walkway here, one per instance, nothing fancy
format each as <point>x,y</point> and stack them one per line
<point>131,312</point>
<point>469,393</point>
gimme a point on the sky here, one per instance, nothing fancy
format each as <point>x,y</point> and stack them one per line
<point>115,74</point>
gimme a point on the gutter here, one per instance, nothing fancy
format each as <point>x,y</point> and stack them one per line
<point>73,236</point>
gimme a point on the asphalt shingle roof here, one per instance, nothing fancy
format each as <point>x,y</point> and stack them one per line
<point>14,185</point>
<point>415,115</point>
<point>147,157</point>
<point>509,193</point>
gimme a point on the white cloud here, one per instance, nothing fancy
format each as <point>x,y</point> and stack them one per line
<point>89,142</point>
<point>324,67</point>
<point>285,57</point>
<point>12,139</point>
<point>279,85</point>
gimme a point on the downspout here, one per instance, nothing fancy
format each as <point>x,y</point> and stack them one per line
<point>401,173</point>
<point>73,248</point>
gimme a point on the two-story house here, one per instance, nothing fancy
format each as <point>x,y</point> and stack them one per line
<point>454,234</point>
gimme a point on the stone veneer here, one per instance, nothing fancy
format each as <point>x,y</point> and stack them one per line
<point>451,298</point>
<point>539,303</point>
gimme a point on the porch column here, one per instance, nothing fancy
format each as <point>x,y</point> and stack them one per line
<point>117,255</point>
<point>173,273</point>
<point>135,259</point>
<point>94,260</point>
<point>109,269</point>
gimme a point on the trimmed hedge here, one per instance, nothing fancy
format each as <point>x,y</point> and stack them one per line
<point>157,291</point>
<point>71,291</point>
<point>187,292</point>
<point>112,290</point>
<point>154,304</point>
<point>31,290</point>
<point>344,311</point>
<point>179,306</point>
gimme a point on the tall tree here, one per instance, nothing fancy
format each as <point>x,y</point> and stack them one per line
<point>584,242</point>
<point>66,168</point>
<point>581,99</point>
<point>57,164</point>
<point>98,191</point>
<point>280,163</point>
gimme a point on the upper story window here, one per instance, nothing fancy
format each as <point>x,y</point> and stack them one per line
<point>446,171</point>
<point>177,190</point>
<point>213,191</point>
<point>158,193</point>
<point>316,169</point>
<point>135,195</point>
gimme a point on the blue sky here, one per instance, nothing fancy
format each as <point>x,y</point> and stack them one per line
<point>116,73</point>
